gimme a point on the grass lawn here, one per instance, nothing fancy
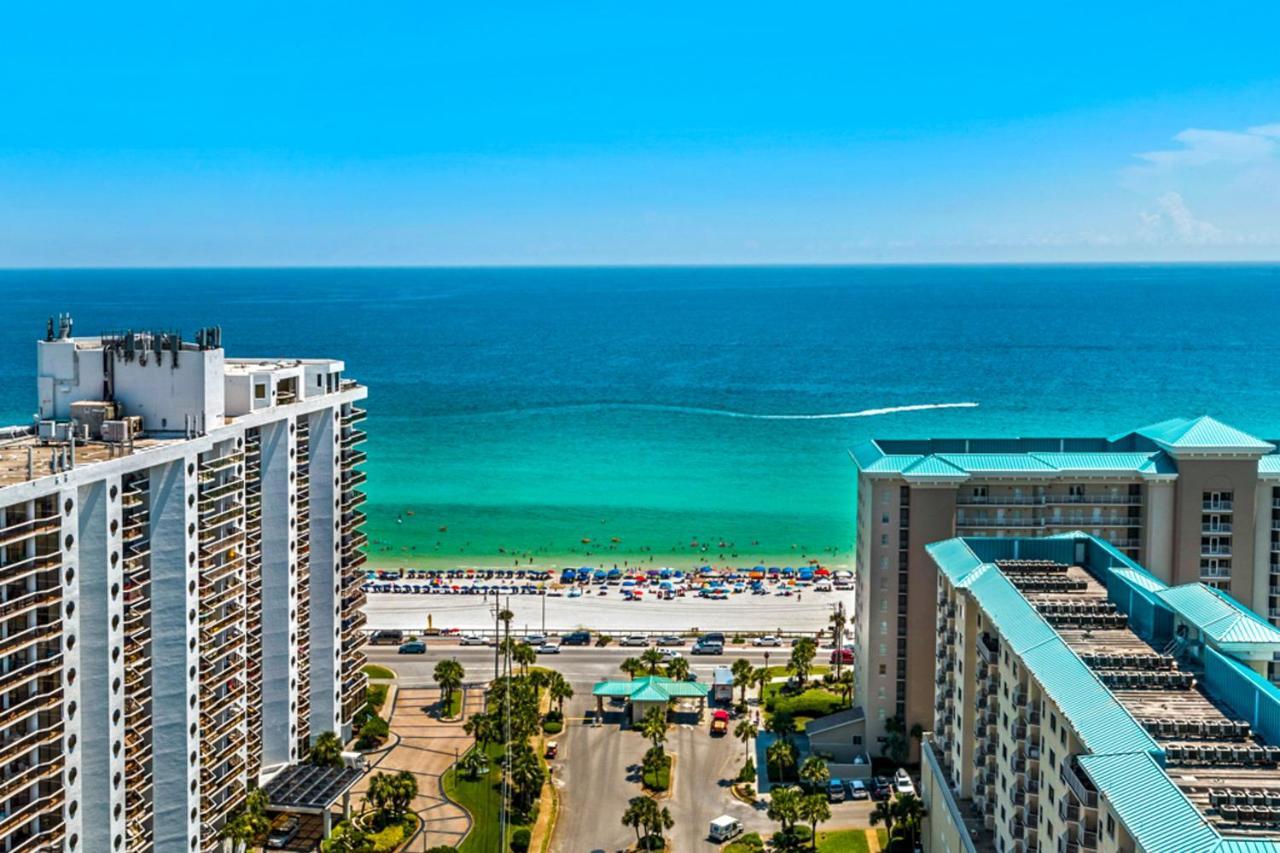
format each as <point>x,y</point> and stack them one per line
<point>814,671</point>
<point>482,797</point>
<point>660,779</point>
<point>843,841</point>
<point>455,704</point>
<point>374,671</point>
<point>812,703</point>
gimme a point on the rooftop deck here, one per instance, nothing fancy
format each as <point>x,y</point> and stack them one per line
<point>1227,773</point>
<point>14,455</point>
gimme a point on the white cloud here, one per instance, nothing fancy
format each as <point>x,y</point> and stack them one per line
<point>1174,222</point>
<point>1205,147</point>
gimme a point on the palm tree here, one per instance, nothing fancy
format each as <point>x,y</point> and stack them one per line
<point>782,755</point>
<point>678,669</point>
<point>652,659</point>
<point>760,678</point>
<point>784,806</point>
<point>910,811</point>
<point>559,690</point>
<point>742,670</point>
<point>527,774</point>
<point>449,674</point>
<point>844,683</point>
<point>660,821</point>
<point>653,725</point>
<point>814,810</point>
<point>782,724</point>
<point>326,750</point>
<point>632,667</point>
<point>895,741</point>
<point>884,813</point>
<point>802,654</point>
<point>524,656</point>
<point>634,816</point>
<point>814,773</point>
<point>250,821</point>
<point>837,621</point>
<point>473,763</point>
<point>745,731</point>
<point>482,727</point>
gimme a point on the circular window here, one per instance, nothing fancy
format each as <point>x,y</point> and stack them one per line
<point>115,558</point>
<point>71,675</point>
<point>191,468</point>
<point>66,507</point>
<point>115,622</point>
<point>115,716</point>
<point>193,734</point>
<point>73,807</point>
<point>73,841</point>
<point>192,671</point>
<point>115,748</point>
<point>70,575</point>
<point>191,644</point>
<point>191,529</point>
<point>115,526</point>
<point>191,615</point>
<point>71,607</point>
<point>191,500</point>
<point>71,641</point>
<point>72,775</point>
<point>191,587</point>
<point>191,559</point>
<point>71,743</point>
<point>114,491</point>
<point>115,654</point>
<point>115,685</point>
<point>115,590</point>
<point>71,708</point>
<point>69,541</point>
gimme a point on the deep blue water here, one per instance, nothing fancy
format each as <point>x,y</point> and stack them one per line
<point>530,409</point>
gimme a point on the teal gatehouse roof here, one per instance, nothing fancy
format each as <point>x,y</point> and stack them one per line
<point>651,688</point>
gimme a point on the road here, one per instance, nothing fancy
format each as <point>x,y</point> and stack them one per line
<point>581,665</point>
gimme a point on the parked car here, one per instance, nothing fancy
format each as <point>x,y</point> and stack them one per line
<point>282,832</point>
<point>902,783</point>
<point>671,640</point>
<point>705,648</point>
<point>534,640</point>
<point>553,749</point>
<point>634,640</point>
<point>413,647</point>
<point>472,640</point>
<point>881,788</point>
<point>387,638</point>
<point>858,790</point>
<point>766,640</point>
<point>549,649</point>
<point>835,791</point>
<point>577,638</point>
<point>720,722</point>
<point>844,656</point>
<point>712,637</point>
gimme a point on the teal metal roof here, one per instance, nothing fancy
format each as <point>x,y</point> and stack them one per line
<point>1269,464</point>
<point>934,466</point>
<point>1097,461</point>
<point>651,688</point>
<point>1140,579</point>
<point>989,462</point>
<point>1219,616</point>
<point>1156,813</point>
<point>1202,433</point>
<point>1101,721</point>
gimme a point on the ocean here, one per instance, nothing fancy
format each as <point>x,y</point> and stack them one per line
<point>675,415</point>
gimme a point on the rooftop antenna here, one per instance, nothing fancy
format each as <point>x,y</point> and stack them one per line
<point>48,329</point>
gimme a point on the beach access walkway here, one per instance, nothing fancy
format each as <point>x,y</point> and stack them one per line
<point>427,747</point>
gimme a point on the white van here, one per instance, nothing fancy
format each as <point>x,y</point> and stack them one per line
<point>724,827</point>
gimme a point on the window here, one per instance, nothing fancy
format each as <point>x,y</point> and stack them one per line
<point>1053,759</point>
<point>883,670</point>
<point>1111,826</point>
<point>259,392</point>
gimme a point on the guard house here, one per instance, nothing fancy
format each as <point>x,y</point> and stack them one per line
<point>652,691</point>
<point>839,738</point>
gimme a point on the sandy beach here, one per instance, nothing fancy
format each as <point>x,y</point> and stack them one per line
<point>608,613</point>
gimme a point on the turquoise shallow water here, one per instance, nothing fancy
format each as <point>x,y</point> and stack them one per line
<point>527,410</point>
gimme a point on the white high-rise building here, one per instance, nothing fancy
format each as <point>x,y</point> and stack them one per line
<point>180,574</point>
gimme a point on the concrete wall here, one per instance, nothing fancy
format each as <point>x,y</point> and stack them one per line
<point>101,633</point>
<point>326,577</point>
<point>932,520</point>
<point>943,830</point>
<point>279,594</point>
<point>1195,477</point>
<point>175,641</point>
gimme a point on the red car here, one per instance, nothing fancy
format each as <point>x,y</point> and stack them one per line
<point>720,722</point>
<point>844,656</point>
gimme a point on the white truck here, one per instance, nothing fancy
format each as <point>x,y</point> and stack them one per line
<point>725,827</point>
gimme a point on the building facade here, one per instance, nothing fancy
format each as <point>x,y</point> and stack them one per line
<point>1193,500</point>
<point>1082,704</point>
<point>180,574</point>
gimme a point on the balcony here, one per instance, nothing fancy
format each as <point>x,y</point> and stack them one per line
<point>1097,499</point>
<point>1079,785</point>
<point>999,500</point>
<point>998,521</point>
<point>1216,506</point>
<point>1216,527</point>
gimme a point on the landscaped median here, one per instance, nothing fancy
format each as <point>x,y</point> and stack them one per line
<point>480,793</point>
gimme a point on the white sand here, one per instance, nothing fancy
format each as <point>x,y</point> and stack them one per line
<point>610,613</point>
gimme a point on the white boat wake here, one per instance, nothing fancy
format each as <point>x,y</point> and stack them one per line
<point>720,413</point>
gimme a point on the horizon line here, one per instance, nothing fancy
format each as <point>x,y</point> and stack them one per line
<point>644,265</point>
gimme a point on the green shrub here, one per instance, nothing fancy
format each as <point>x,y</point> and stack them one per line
<point>376,696</point>
<point>520,840</point>
<point>748,772</point>
<point>552,727</point>
<point>373,733</point>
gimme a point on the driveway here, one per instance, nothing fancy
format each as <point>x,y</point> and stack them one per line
<point>598,772</point>
<point>427,747</point>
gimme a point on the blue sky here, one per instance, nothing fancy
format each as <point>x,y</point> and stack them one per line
<point>597,133</point>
